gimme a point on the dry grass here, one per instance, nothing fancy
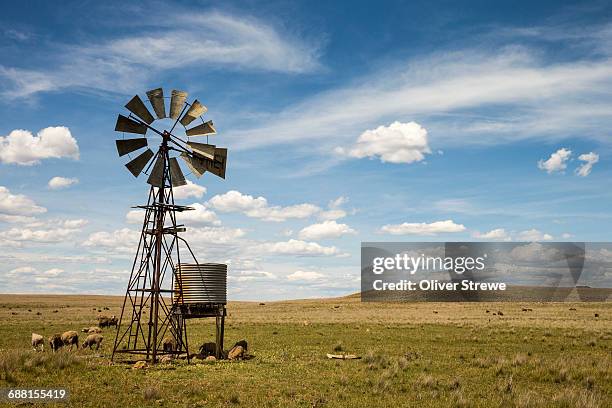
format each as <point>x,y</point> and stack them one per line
<point>458,357</point>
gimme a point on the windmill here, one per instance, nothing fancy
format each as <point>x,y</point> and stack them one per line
<point>153,308</point>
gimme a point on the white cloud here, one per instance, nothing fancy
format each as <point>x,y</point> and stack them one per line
<point>326,229</point>
<point>422,228</point>
<point>533,235</point>
<point>590,159</point>
<point>296,248</point>
<point>305,276</point>
<point>451,91</point>
<point>18,204</point>
<point>396,143</point>
<point>255,275</point>
<point>120,64</point>
<point>335,210</point>
<point>53,235</point>
<point>566,235</point>
<point>123,240</point>
<point>189,190</point>
<point>53,272</point>
<point>57,183</point>
<point>21,270</point>
<point>41,231</point>
<point>235,201</point>
<point>498,234</point>
<point>75,223</point>
<point>556,162</point>
<point>214,235</point>
<point>17,219</point>
<point>22,147</point>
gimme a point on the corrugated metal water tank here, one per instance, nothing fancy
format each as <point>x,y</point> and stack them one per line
<point>203,283</point>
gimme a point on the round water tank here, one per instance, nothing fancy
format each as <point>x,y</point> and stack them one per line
<point>203,283</point>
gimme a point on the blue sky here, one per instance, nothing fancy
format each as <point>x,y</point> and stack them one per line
<point>345,122</point>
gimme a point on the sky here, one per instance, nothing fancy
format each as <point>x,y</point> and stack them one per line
<point>345,122</point>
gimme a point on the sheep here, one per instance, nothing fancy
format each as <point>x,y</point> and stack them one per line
<point>236,353</point>
<point>242,343</point>
<point>70,338</point>
<point>105,321</point>
<point>38,340</point>
<point>55,342</point>
<point>90,330</point>
<point>93,339</point>
<point>169,344</point>
<point>208,349</point>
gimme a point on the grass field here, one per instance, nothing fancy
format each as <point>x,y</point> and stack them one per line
<point>413,354</point>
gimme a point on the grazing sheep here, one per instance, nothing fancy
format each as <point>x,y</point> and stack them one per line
<point>105,321</point>
<point>169,344</point>
<point>93,339</point>
<point>55,342</point>
<point>70,338</point>
<point>38,340</point>
<point>90,330</point>
<point>208,349</point>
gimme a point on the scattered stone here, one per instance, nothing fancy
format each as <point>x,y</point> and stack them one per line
<point>262,304</point>
<point>596,314</point>
<point>343,356</point>
<point>499,313</point>
<point>573,309</point>
<point>211,358</point>
<point>165,360</point>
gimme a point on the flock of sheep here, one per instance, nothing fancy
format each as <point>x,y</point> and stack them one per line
<point>71,337</point>
<point>94,338</point>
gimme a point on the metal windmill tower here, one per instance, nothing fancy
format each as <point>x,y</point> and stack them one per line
<point>153,305</point>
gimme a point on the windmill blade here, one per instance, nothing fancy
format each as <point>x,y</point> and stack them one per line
<point>195,110</point>
<point>178,179</point>
<point>177,102</point>
<point>139,163</point>
<point>138,108</point>
<point>125,124</point>
<point>203,149</point>
<point>206,128</point>
<point>196,165</point>
<point>125,146</point>
<point>155,178</point>
<point>217,166</point>
<point>156,97</point>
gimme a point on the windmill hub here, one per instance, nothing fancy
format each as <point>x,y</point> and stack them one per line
<point>164,291</point>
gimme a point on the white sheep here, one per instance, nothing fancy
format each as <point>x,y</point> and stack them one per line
<point>70,338</point>
<point>38,340</point>
<point>93,339</point>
